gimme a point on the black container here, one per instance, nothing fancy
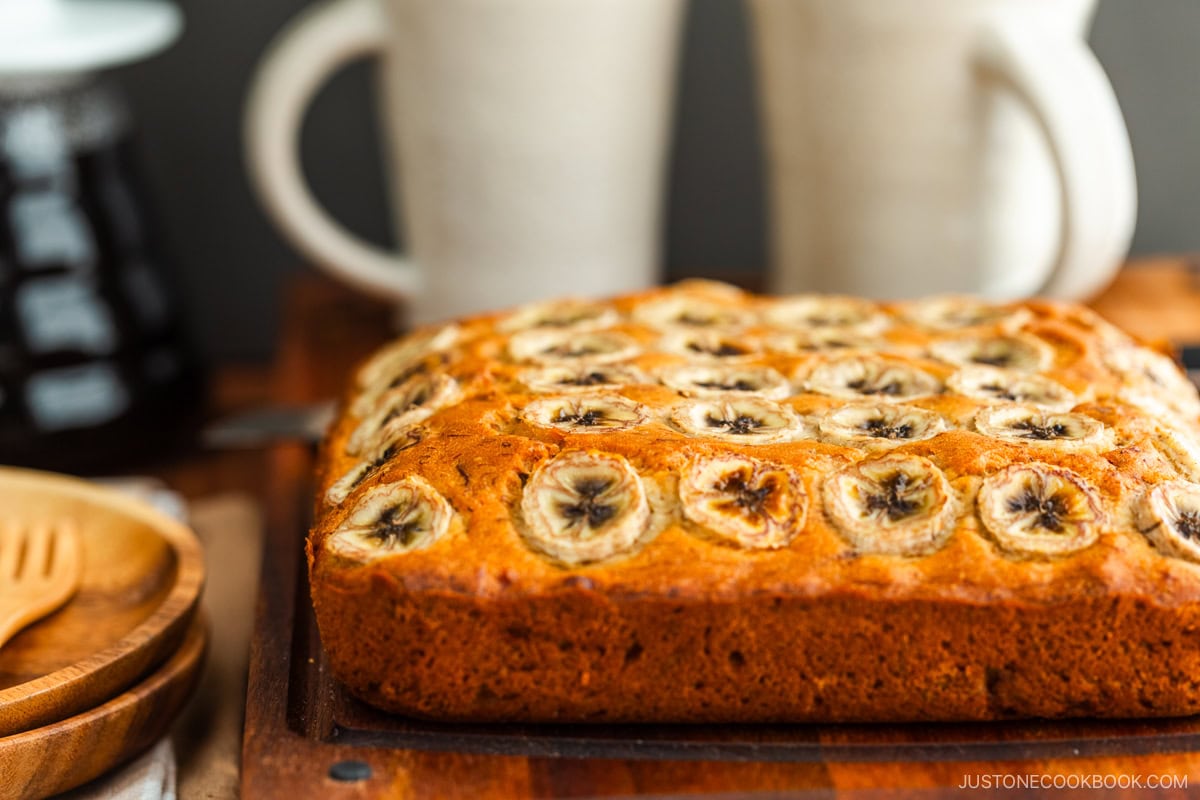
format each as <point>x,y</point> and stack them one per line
<point>95,373</point>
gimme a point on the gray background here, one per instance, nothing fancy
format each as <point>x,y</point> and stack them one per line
<point>229,264</point>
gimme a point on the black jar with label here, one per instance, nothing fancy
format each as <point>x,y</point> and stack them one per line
<point>94,370</point>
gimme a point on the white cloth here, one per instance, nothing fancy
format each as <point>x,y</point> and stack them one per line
<point>151,776</point>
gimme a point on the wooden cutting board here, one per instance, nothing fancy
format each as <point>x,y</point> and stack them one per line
<point>306,737</point>
<point>142,575</point>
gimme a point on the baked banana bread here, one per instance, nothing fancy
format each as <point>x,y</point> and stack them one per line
<point>697,504</point>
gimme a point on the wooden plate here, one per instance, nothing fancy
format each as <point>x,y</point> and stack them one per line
<point>66,754</point>
<point>142,575</point>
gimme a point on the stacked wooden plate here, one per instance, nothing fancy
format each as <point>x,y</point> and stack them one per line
<point>101,679</point>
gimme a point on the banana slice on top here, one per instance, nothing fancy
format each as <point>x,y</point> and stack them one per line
<point>711,288</point>
<point>1156,404</point>
<point>1179,448</point>
<point>955,312</point>
<point>570,314</point>
<point>721,379</point>
<point>401,408</point>
<point>689,312</point>
<point>1015,352</point>
<point>892,505</point>
<point>393,518</point>
<point>421,354</point>
<point>584,376</point>
<point>1153,377</point>
<point>337,493</point>
<point>829,312</point>
<point>712,345</point>
<point>1136,364</point>
<point>879,425</point>
<point>995,385</point>
<point>371,396</point>
<point>584,506</point>
<point>743,500</point>
<point>596,413</point>
<point>746,420</point>
<point>1034,426</point>
<point>862,377</point>
<point>1039,509</point>
<point>1169,516</point>
<point>821,340</point>
<point>391,362</point>
<point>558,346</point>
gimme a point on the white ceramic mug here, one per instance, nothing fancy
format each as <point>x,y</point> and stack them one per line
<point>527,144</point>
<point>919,146</point>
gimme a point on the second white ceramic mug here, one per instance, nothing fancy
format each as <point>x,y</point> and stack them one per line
<point>921,146</point>
<point>527,143</point>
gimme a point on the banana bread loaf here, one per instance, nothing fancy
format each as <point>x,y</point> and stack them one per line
<point>697,504</point>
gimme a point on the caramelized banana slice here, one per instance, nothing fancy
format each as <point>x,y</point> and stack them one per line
<point>1015,352</point>
<point>558,346</point>
<point>994,385</point>
<point>1153,381</point>
<point>743,500</point>
<point>584,506</point>
<point>682,310</point>
<point>570,314</point>
<point>1141,364</point>
<point>1039,509</point>
<point>719,379</point>
<point>392,518</point>
<point>583,376</point>
<point>710,344</point>
<point>1156,405</point>
<point>1179,448</point>
<point>1034,426</point>
<point>822,340</point>
<point>401,408</point>
<point>422,354</point>
<point>747,420</point>
<point>953,312</point>
<point>829,312</point>
<point>370,398</point>
<point>709,288</point>
<point>1169,516</point>
<point>893,504</point>
<point>368,466</point>
<point>585,414</point>
<point>389,364</point>
<point>860,377</point>
<point>879,425</point>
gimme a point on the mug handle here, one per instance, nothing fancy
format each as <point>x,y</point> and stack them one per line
<point>1063,84</point>
<point>301,59</point>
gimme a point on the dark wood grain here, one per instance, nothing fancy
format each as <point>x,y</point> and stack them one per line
<point>300,723</point>
<point>66,754</point>
<point>141,582</point>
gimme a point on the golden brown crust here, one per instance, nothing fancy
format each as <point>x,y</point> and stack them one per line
<point>470,616</point>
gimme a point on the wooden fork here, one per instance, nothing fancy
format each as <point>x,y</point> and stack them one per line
<point>40,567</point>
